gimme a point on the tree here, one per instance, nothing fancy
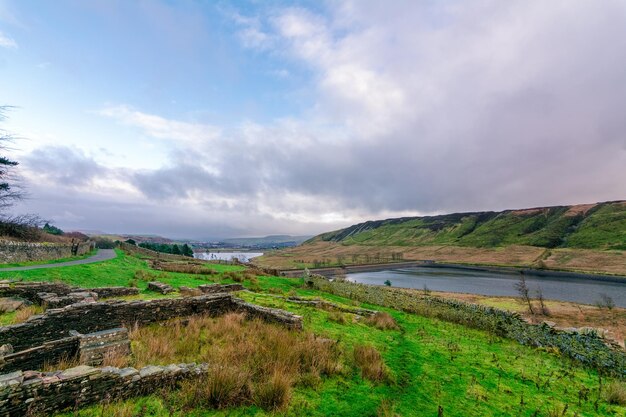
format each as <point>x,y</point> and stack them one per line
<point>524,293</point>
<point>130,241</point>
<point>176,249</point>
<point>9,191</point>
<point>187,251</point>
<point>53,230</point>
<point>388,283</point>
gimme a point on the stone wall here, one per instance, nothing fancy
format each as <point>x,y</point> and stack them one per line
<point>93,348</point>
<point>31,290</point>
<point>89,349</point>
<point>11,252</point>
<point>93,317</point>
<point>36,357</point>
<point>37,393</point>
<point>270,315</point>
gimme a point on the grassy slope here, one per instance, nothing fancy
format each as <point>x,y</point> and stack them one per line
<point>487,376</point>
<point>432,363</point>
<point>601,227</point>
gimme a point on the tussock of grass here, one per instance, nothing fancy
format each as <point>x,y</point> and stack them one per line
<point>251,362</point>
<point>371,363</point>
<point>382,321</point>
<point>615,393</point>
<point>339,317</point>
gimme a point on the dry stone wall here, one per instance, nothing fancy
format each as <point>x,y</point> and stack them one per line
<point>11,251</point>
<point>32,291</point>
<point>35,358</point>
<point>39,393</point>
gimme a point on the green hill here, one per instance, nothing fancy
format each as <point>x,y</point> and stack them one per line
<point>589,226</point>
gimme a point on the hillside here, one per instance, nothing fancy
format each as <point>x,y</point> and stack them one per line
<point>588,226</point>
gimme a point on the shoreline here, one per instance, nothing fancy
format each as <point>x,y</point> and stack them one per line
<point>510,270</point>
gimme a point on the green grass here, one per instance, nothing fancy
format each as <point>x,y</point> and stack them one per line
<point>432,363</point>
<point>50,261</point>
<point>119,271</point>
<point>602,227</point>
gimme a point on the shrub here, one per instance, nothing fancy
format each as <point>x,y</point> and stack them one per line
<point>382,321</point>
<point>371,363</point>
<point>615,393</point>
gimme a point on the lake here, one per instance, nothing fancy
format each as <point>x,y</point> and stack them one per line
<point>226,256</point>
<point>580,290</point>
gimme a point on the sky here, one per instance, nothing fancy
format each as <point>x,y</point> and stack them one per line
<point>209,119</point>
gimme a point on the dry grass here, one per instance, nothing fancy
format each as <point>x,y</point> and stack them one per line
<point>25,313</point>
<point>64,363</point>
<point>615,393</point>
<point>599,261</point>
<point>250,362</point>
<point>116,359</point>
<point>371,363</point>
<point>382,321</point>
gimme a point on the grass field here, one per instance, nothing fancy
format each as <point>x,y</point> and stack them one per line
<point>429,363</point>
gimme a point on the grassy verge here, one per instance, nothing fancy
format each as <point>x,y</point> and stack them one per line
<point>49,261</point>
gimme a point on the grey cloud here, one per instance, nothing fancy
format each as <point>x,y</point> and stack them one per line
<point>63,165</point>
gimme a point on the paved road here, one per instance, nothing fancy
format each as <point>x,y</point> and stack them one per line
<point>101,255</point>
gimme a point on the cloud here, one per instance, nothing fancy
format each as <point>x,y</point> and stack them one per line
<point>7,42</point>
<point>160,127</point>
<point>419,107</point>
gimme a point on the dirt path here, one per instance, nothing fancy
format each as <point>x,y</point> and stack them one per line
<point>101,255</point>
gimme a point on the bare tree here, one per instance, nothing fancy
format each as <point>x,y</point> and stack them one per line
<point>542,305</point>
<point>524,293</point>
<point>9,189</point>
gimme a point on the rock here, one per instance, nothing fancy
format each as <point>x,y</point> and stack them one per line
<point>6,350</point>
<point>10,304</point>
<point>160,287</point>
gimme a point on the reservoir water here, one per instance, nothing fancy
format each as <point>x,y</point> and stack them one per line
<point>226,256</point>
<point>580,290</point>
